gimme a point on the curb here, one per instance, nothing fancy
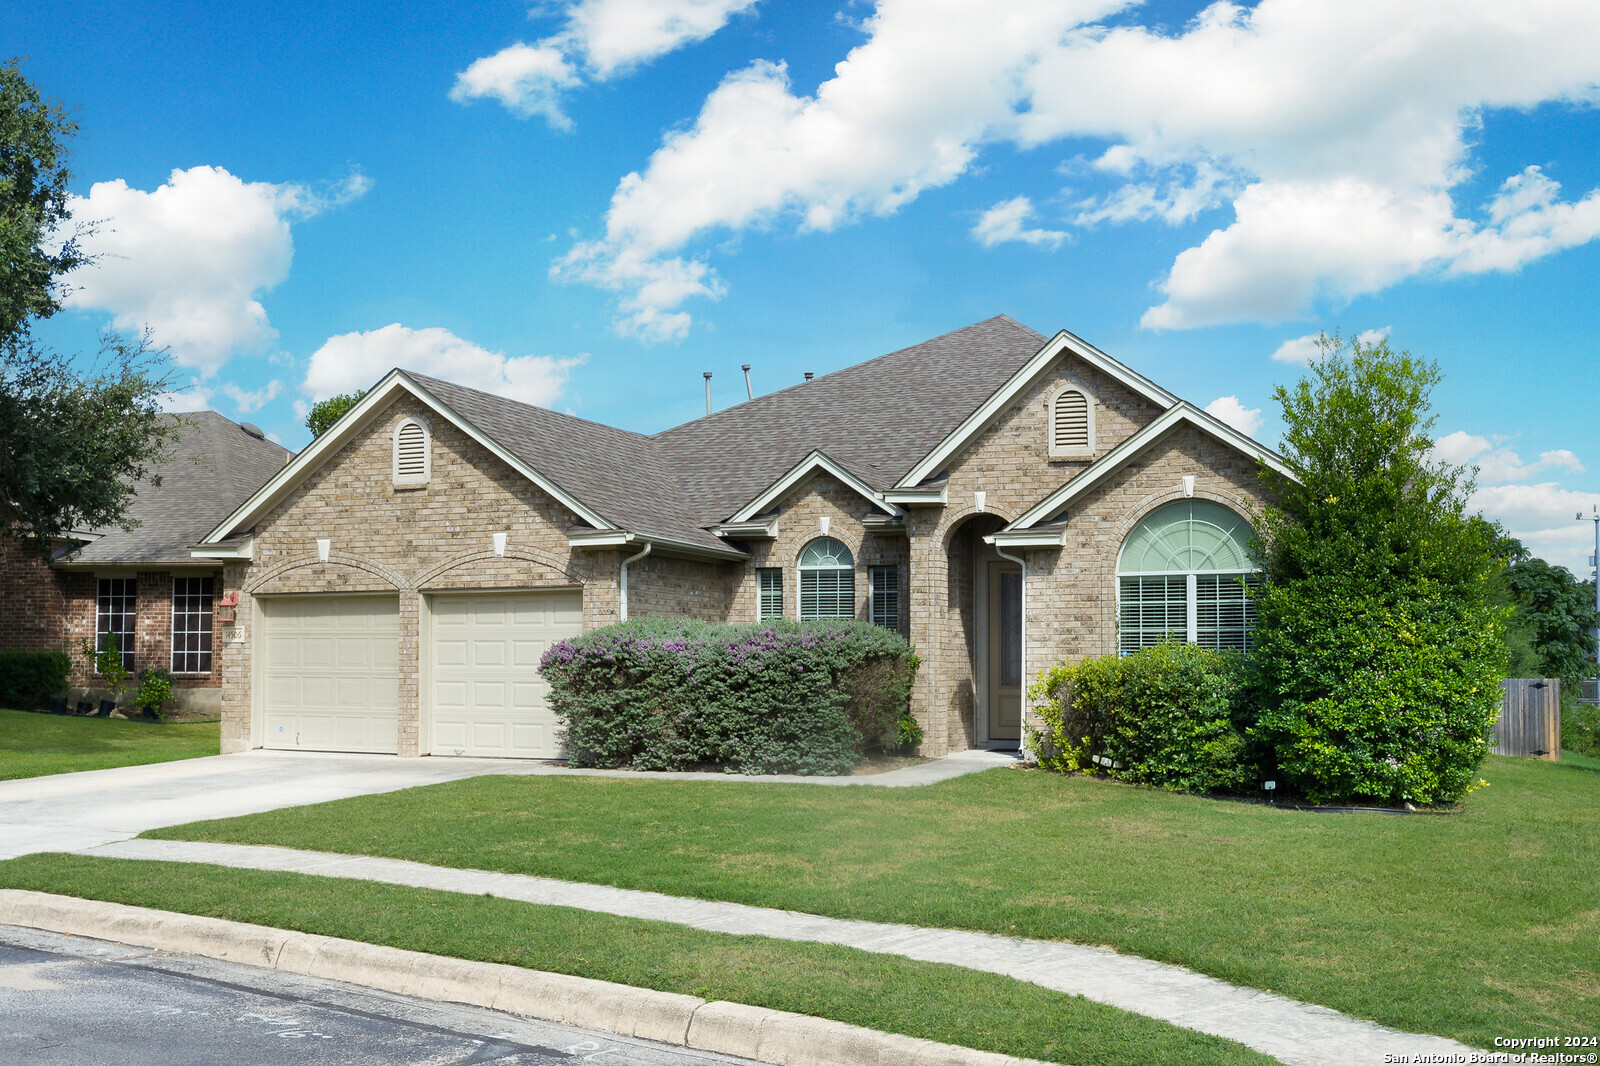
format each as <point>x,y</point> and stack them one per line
<point>771,1036</point>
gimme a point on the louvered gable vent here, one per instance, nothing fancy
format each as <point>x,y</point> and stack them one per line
<point>1071,426</point>
<point>411,454</point>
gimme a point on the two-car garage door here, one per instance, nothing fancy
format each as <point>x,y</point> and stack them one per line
<point>331,672</point>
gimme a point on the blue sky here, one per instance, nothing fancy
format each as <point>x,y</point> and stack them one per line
<point>589,204</point>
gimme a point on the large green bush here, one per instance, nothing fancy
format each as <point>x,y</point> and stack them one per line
<point>28,678</point>
<point>1378,652</point>
<point>1169,715</point>
<point>1392,695</point>
<point>777,697</point>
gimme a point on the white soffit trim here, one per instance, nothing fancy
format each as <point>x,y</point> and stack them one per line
<point>914,497</point>
<point>242,550</point>
<point>393,383</point>
<point>814,461</point>
<point>1023,379</point>
<point>619,538</point>
<point>1114,460</point>
<point>1028,538</point>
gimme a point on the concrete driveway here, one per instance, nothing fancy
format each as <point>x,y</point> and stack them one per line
<point>68,812</point>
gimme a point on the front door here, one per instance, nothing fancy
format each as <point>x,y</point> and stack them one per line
<point>1005,652</point>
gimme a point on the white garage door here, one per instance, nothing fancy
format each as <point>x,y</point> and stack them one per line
<point>484,650</point>
<point>331,672</point>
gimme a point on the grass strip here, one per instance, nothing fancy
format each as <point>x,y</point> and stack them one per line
<point>1470,926</point>
<point>32,745</point>
<point>929,1000</point>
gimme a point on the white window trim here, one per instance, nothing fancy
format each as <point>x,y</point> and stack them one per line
<point>427,452</point>
<point>762,571</point>
<point>800,570</point>
<point>1050,422</point>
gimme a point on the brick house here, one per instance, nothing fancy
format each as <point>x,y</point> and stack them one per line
<point>1004,499</point>
<point>143,585</point>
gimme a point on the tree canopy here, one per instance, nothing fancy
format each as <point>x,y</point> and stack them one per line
<point>1378,651</point>
<point>72,442</point>
<point>326,412</point>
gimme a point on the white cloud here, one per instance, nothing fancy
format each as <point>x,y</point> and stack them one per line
<point>1306,350</point>
<point>351,362</point>
<point>1229,410</point>
<point>601,38</point>
<point>190,259</point>
<point>1541,516</point>
<point>526,79</point>
<point>1499,465</point>
<point>254,400</point>
<point>192,397</point>
<point>1005,221</point>
<point>1338,134</point>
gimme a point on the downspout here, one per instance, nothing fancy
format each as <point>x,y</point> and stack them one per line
<point>622,581</point>
<point>1022,728</point>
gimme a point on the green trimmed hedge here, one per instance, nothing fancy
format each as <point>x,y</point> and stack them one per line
<point>775,697</point>
<point>29,678</point>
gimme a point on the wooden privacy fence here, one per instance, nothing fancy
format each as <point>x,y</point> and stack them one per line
<point>1530,719</point>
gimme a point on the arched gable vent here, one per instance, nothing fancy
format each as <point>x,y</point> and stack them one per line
<point>411,465</point>
<point>1072,423</point>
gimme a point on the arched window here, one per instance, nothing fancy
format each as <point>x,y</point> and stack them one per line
<point>1071,423</point>
<point>827,580</point>
<point>1183,573</point>
<point>411,452</point>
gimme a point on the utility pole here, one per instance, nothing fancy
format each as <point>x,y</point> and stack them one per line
<point>1594,561</point>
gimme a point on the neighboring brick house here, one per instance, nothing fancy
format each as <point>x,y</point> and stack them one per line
<point>143,585</point>
<point>1004,499</point>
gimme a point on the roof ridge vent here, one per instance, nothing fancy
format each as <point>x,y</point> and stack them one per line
<point>253,430</point>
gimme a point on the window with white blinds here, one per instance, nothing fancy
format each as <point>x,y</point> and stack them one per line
<point>769,582</point>
<point>1185,573</point>
<point>885,586</point>
<point>827,580</point>
<point>410,453</point>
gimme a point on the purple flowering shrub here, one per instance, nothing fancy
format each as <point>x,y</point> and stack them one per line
<point>776,697</point>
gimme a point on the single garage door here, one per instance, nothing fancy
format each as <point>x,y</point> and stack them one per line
<point>332,672</point>
<point>484,650</point>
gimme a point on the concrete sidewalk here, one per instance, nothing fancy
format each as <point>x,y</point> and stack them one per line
<point>1297,1033</point>
<point>65,812</point>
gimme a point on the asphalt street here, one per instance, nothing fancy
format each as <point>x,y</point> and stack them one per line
<point>73,1001</point>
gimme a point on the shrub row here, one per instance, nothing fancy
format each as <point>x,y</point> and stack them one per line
<point>1412,723</point>
<point>776,697</point>
<point>29,678</point>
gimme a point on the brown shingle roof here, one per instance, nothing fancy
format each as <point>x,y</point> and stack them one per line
<point>619,474</point>
<point>214,467</point>
<point>875,418</point>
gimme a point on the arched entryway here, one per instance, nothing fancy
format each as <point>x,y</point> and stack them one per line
<point>983,627</point>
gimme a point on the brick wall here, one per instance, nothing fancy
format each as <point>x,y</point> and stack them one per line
<point>1010,463</point>
<point>408,541</point>
<point>658,585</point>
<point>32,600</point>
<point>800,515</point>
<point>1072,592</point>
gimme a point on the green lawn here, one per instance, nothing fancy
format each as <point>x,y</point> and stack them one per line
<point>35,744</point>
<point>945,1003</point>
<point>1471,925</point>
